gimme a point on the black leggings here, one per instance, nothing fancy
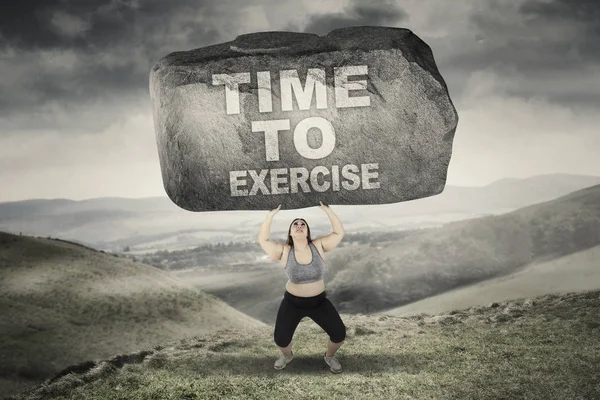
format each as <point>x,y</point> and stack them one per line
<point>318,308</point>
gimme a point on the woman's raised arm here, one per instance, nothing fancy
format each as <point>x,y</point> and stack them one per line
<point>330,241</point>
<point>273,249</point>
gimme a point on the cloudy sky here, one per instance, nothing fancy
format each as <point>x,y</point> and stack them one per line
<point>76,119</point>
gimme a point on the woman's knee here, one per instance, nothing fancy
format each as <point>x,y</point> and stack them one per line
<point>338,336</point>
<point>282,340</point>
<point>338,329</point>
<point>282,334</point>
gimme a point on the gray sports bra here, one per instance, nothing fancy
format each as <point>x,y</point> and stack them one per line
<point>305,273</point>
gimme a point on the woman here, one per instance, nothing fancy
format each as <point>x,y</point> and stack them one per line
<point>303,262</point>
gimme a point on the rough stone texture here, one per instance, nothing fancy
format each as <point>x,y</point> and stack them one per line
<point>408,128</point>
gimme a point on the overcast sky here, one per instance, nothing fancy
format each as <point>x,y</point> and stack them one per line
<point>76,120</point>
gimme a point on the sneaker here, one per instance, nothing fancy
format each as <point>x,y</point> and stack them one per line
<point>282,361</point>
<point>333,363</point>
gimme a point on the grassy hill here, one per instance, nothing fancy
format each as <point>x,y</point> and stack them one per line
<point>542,348</point>
<point>62,303</point>
<point>239,289</point>
<point>392,273</point>
<point>576,272</point>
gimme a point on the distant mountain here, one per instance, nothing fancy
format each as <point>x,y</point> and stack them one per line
<point>112,223</point>
<point>497,197</point>
<point>62,303</point>
<point>510,192</point>
<point>157,223</point>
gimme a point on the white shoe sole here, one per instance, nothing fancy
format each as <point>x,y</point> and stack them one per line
<point>280,368</point>
<point>331,368</point>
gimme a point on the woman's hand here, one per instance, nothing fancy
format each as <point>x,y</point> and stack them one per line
<point>323,206</point>
<point>274,211</point>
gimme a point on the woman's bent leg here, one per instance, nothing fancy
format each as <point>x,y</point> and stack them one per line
<point>327,317</point>
<point>288,318</point>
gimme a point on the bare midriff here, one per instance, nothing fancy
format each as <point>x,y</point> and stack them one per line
<point>302,289</point>
<point>305,289</point>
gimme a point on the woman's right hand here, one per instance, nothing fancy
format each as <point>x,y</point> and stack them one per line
<point>274,211</point>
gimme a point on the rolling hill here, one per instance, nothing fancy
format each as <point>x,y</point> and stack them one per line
<point>579,271</point>
<point>62,303</point>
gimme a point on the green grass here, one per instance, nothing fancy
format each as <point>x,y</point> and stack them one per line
<point>546,348</point>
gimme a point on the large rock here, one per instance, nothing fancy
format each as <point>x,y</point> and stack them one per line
<point>359,116</point>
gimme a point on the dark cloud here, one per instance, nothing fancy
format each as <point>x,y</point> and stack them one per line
<point>72,55</point>
<point>586,12</point>
<point>540,43</point>
<point>373,13</point>
<point>27,24</point>
<point>583,14</point>
<point>43,24</point>
<point>111,45</point>
<point>552,34</point>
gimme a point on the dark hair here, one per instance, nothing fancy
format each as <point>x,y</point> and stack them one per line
<point>290,241</point>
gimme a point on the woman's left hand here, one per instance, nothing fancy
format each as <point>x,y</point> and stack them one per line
<point>323,206</point>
